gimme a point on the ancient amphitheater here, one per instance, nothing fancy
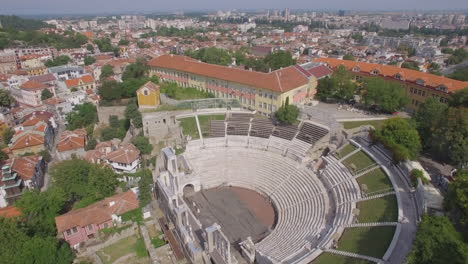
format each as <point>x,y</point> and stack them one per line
<point>317,196</point>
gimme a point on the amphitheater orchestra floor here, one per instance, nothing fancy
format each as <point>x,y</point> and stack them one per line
<point>240,212</point>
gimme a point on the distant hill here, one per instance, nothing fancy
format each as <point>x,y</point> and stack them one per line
<point>16,23</point>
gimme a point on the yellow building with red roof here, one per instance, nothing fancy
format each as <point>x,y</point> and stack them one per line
<point>418,85</point>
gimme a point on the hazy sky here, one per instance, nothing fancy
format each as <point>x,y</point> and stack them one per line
<point>119,6</point>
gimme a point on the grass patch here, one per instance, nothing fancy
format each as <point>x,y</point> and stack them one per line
<point>205,122</point>
<point>376,180</point>
<point>346,150</point>
<point>384,209</point>
<point>176,92</point>
<point>369,241</point>
<point>189,127</point>
<point>358,161</point>
<point>123,247</point>
<point>140,248</point>
<point>329,258</point>
<point>135,215</point>
<point>157,242</point>
<point>353,124</point>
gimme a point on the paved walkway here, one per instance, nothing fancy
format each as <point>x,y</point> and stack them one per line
<point>149,247</point>
<point>409,222</point>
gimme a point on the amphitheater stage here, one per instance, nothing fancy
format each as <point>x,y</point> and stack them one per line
<point>240,212</point>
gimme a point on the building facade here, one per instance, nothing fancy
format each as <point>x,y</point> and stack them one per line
<point>263,92</point>
<point>418,85</point>
<point>149,95</point>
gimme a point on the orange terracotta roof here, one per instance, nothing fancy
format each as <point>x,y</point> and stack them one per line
<point>36,116</point>
<point>86,79</point>
<point>70,140</point>
<point>99,212</point>
<point>149,85</point>
<point>282,80</point>
<point>33,85</point>
<point>24,166</point>
<point>27,140</point>
<point>127,154</point>
<point>9,212</point>
<point>88,34</point>
<point>391,71</point>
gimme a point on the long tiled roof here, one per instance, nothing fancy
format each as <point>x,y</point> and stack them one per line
<point>24,166</point>
<point>75,82</point>
<point>391,71</point>
<point>126,154</point>
<point>282,80</point>
<point>70,140</point>
<point>99,212</point>
<point>27,140</point>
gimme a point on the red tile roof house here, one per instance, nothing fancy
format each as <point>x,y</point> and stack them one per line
<point>78,226</point>
<point>85,82</point>
<point>97,154</point>
<point>30,171</point>
<point>126,159</point>
<point>72,143</point>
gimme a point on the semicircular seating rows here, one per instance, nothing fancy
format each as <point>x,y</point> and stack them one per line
<point>308,211</point>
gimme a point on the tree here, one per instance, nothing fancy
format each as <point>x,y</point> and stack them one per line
<point>109,133</point>
<point>427,118</point>
<point>110,90</point>
<point>459,98</point>
<point>5,98</point>
<point>400,136</point>
<point>106,71</point>
<point>124,42</point>
<point>135,70</point>
<point>144,186</point>
<point>46,94</point>
<point>60,60</point>
<point>287,114</point>
<point>142,143</point>
<point>19,247</point>
<point>8,135</point>
<point>389,96</point>
<point>434,68</point>
<point>3,156</point>
<point>102,182</point>
<point>437,242</point>
<point>456,199</point>
<point>91,144</point>
<point>132,113</point>
<point>349,57</point>
<point>90,48</point>
<point>410,65</point>
<point>88,60</point>
<point>82,116</point>
<point>460,74</point>
<point>339,86</point>
<point>40,208</point>
<point>279,59</point>
<point>450,142</point>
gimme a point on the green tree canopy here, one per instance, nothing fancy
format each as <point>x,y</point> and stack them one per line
<point>400,136</point>
<point>459,98</point>
<point>287,114</point>
<point>60,60</point>
<point>427,118</point>
<point>211,55</point>
<point>142,143</point>
<point>106,71</point>
<point>279,59</point>
<point>339,86</point>
<point>459,74</point>
<point>46,94</point>
<point>5,98</point>
<point>136,70</point>
<point>144,186</point>
<point>82,116</point>
<point>8,135</point>
<point>389,96</point>
<point>124,42</point>
<point>88,60</point>
<point>349,57</point>
<point>410,65</point>
<point>437,242</point>
<point>456,199</point>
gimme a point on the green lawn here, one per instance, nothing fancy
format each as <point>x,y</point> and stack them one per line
<point>176,92</point>
<point>205,122</point>
<point>329,258</point>
<point>369,241</point>
<point>189,127</point>
<point>353,124</point>
<point>123,247</point>
<point>384,209</point>
<point>376,180</point>
<point>346,150</point>
<point>358,161</point>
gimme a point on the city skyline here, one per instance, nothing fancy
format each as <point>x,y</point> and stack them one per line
<point>34,7</point>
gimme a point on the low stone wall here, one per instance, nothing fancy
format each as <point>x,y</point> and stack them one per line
<point>112,239</point>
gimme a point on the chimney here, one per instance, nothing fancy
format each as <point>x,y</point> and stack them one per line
<point>111,203</point>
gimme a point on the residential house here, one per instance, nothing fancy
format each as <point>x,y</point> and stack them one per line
<point>148,95</point>
<point>7,63</point>
<point>30,93</point>
<point>97,154</point>
<point>78,226</point>
<point>84,83</point>
<point>66,72</point>
<point>126,159</point>
<point>11,186</point>
<point>31,61</point>
<point>31,170</point>
<point>72,143</point>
